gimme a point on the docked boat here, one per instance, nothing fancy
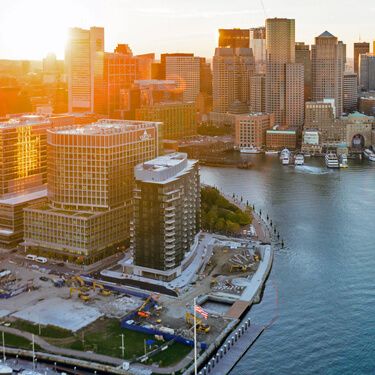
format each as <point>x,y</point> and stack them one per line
<point>285,156</point>
<point>331,160</point>
<point>299,159</point>
<point>369,154</point>
<point>250,150</point>
<point>343,161</point>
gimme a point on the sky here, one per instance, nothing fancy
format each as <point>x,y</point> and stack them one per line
<point>29,29</point>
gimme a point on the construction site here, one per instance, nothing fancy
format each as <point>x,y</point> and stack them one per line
<point>85,313</point>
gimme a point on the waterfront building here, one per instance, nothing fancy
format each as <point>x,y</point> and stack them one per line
<point>250,129</point>
<point>311,142</point>
<point>367,72</point>
<point>90,189</point>
<point>258,45</point>
<point>303,56</point>
<point>280,139</point>
<point>284,78</point>
<point>328,63</point>
<point>360,48</point>
<point>166,216</point>
<point>234,38</point>
<point>179,119</point>
<point>84,61</point>
<point>258,93</point>
<point>23,172</point>
<point>350,97</point>
<point>358,130</point>
<point>232,71</point>
<point>367,105</point>
<point>185,70</point>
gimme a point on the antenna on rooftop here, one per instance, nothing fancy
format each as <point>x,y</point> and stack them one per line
<point>264,9</point>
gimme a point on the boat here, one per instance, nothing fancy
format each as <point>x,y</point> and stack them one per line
<point>299,159</point>
<point>285,157</point>
<point>331,160</point>
<point>5,370</point>
<point>250,150</point>
<point>272,152</point>
<point>343,161</point>
<point>369,154</point>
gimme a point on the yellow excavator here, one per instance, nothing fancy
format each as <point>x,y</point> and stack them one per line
<point>84,296</point>
<point>102,290</point>
<point>201,327</point>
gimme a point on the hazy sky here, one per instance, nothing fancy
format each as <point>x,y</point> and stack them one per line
<point>31,28</point>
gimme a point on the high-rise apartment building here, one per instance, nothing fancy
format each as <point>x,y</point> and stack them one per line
<point>84,61</point>
<point>280,47</point>
<point>258,93</point>
<point>179,119</point>
<point>23,172</point>
<point>328,63</point>
<point>360,48</point>
<point>234,38</point>
<point>350,97</point>
<point>232,71</point>
<point>367,72</point>
<point>251,129</point>
<point>90,188</point>
<point>303,56</point>
<point>185,70</point>
<point>258,45</point>
<point>166,217</point>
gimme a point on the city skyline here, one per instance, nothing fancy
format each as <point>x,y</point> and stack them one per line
<point>194,27</point>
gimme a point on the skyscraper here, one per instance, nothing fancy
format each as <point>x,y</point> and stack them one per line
<point>258,93</point>
<point>367,72</point>
<point>234,38</point>
<point>360,48</point>
<point>167,215</point>
<point>232,71</point>
<point>328,59</point>
<point>303,56</point>
<point>350,97</point>
<point>84,61</point>
<point>258,45</point>
<point>90,188</point>
<point>185,70</point>
<point>280,95</point>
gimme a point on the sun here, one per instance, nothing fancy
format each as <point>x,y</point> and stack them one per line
<point>31,29</point>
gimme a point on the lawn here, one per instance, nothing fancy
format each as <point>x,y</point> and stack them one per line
<point>17,342</point>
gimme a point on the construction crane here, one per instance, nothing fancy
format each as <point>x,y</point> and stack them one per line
<point>146,314</point>
<point>200,326</point>
<point>103,291</point>
<point>82,295</point>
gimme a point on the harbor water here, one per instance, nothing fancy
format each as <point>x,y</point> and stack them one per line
<point>325,275</point>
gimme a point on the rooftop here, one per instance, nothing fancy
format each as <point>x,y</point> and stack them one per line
<point>106,127</point>
<point>326,34</point>
<point>24,120</point>
<point>24,197</point>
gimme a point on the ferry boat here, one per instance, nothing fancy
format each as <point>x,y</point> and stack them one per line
<point>299,159</point>
<point>285,157</point>
<point>369,154</point>
<point>343,161</point>
<point>250,150</point>
<point>331,160</point>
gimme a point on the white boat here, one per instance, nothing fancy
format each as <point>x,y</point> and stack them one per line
<point>331,160</point>
<point>284,152</point>
<point>368,154</point>
<point>299,159</point>
<point>285,156</point>
<point>271,152</point>
<point>250,150</point>
<point>343,161</point>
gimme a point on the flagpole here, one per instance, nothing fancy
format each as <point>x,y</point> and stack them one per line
<point>195,337</point>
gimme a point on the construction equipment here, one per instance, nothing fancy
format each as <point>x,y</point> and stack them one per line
<point>201,327</point>
<point>102,290</point>
<point>84,296</point>
<point>242,268</point>
<point>146,314</point>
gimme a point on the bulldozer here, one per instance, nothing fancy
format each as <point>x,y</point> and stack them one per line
<point>102,290</point>
<point>201,327</point>
<point>84,296</point>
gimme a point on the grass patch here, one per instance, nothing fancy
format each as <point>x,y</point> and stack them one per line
<point>171,355</point>
<point>46,331</point>
<point>18,342</point>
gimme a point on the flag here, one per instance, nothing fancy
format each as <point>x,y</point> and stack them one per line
<point>200,311</point>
